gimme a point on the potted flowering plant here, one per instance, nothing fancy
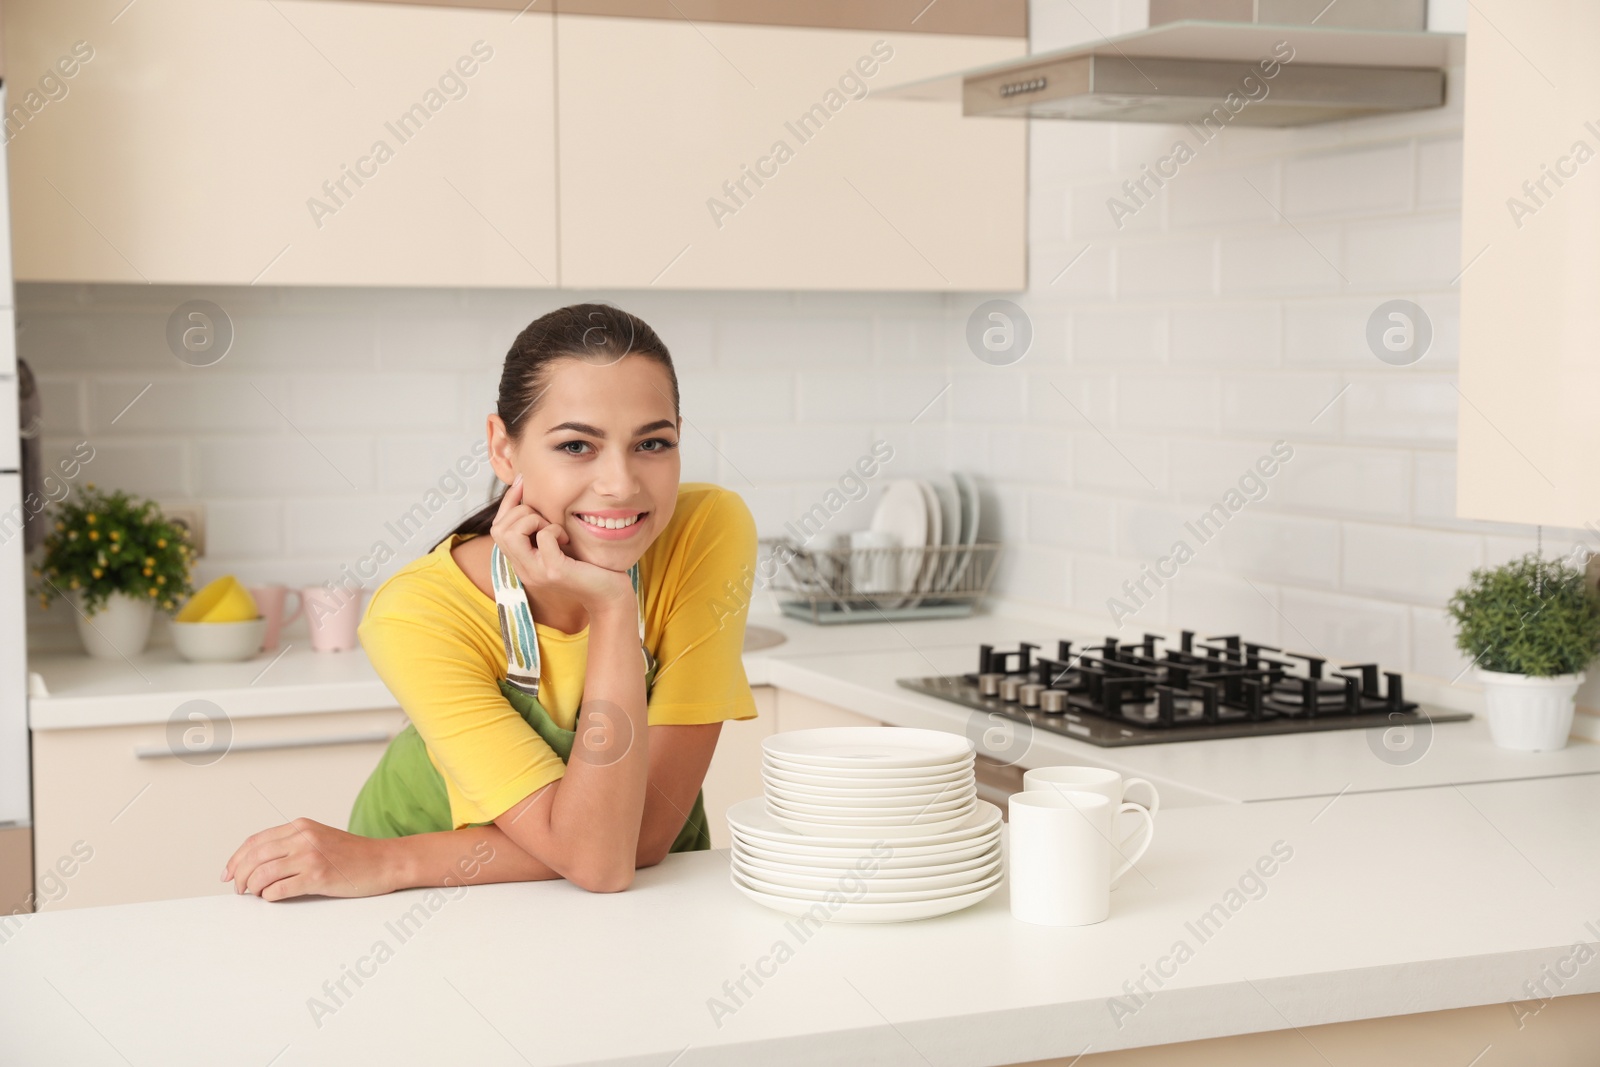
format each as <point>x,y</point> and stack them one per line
<point>1531,627</point>
<point>116,558</point>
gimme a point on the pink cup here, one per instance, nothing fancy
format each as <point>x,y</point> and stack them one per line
<point>332,616</point>
<point>270,600</point>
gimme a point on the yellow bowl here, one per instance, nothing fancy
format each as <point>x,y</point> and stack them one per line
<point>224,600</point>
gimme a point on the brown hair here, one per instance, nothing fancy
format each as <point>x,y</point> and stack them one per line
<point>597,333</point>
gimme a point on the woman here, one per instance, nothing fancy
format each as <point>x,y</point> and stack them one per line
<point>594,552</point>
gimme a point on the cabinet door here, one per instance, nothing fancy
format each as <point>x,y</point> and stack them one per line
<point>726,156</point>
<point>1530,251</point>
<point>154,826</point>
<point>293,142</point>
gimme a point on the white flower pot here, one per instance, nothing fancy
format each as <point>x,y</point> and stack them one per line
<point>120,628</point>
<point>1527,713</point>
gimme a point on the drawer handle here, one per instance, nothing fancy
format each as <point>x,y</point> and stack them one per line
<point>370,737</point>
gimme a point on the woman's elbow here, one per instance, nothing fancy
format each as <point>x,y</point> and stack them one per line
<point>602,880</point>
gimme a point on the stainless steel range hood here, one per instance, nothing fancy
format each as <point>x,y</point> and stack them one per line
<point>1237,62</point>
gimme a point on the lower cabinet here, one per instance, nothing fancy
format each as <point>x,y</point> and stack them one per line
<point>134,813</point>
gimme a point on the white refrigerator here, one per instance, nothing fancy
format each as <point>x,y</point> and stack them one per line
<point>16,788</point>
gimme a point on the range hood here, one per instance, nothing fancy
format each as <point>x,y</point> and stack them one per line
<point>1233,62</point>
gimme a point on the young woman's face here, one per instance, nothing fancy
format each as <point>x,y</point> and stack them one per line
<point>601,443</point>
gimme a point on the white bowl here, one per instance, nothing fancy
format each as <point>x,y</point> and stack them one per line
<point>212,642</point>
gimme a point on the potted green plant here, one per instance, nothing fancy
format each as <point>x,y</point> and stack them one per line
<point>1531,626</point>
<point>117,559</point>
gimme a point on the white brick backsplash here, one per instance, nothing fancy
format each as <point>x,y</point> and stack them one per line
<point>791,453</point>
<point>266,343</point>
<point>338,402</point>
<point>1349,481</point>
<point>1119,461</point>
<point>1423,566</point>
<point>1067,269</point>
<point>1030,455</point>
<point>1225,335</point>
<point>1433,646</point>
<point>1391,254</point>
<point>903,340</point>
<point>1071,521</point>
<point>1053,26</point>
<point>410,341</point>
<point>1043,575</point>
<point>990,395</point>
<point>1090,216</point>
<point>1400,406</point>
<point>1060,152</point>
<point>767,397</point>
<point>1168,268</point>
<point>418,462</point>
<point>1281,261</point>
<point>243,528</point>
<point>1097,579</point>
<point>182,404</point>
<point>1148,531</point>
<point>1211,603</point>
<point>1439,172</point>
<point>272,466</point>
<point>1204,470</point>
<point>144,468</point>
<point>1332,333</point>
<point>1290,406</point>
<point>1271,547</point>
<point>1365,181</point>
<point>1112,336</point>
<point>1343,627</point>
<point>1170,401</point>
<point>1444,316</point>
<point>1236,196</point>
<point>763,343</point>
<point>60,405</point>
<point>1433,486</point>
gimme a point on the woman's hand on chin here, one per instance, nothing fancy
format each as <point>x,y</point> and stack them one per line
<point>305,857</point>
<point>533,544</point>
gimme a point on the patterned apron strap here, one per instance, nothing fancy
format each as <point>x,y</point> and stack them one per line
<point>516,623</point>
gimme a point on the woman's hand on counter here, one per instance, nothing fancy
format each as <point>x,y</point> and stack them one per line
<point>533,544</point>
<point>306,857</point>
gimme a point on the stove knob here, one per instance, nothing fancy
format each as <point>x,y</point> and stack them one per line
<point>1053,701</point>
<point>1010,689</point>
<point>989,684</point>
<point>1030,694</point>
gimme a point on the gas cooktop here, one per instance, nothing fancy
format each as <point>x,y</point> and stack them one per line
<point>1147,692</point>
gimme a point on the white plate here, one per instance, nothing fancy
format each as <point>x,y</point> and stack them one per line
<point>892,856</point>
<point>880,801</point>
<point>928,562</point>
<point>809,869</point>
<point>850,747</point>
<point>811,826</point>
<point>879,885</point>
<point>950,530</point>
<point>910,897</point>
<point>862,812</point>
<point>903,512</point>
<point>855,912</point>
<point>750,817</point>
<point>970,514</point>
<point>833,794</point>
<point>865,777</point>
<point>871,820</point>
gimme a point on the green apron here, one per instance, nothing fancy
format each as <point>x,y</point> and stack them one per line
<point>405,793</point>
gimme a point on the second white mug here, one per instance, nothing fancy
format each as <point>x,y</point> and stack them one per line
<point>1059,855</point>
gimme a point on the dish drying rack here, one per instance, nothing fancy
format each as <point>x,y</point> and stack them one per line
<point>842,585</point>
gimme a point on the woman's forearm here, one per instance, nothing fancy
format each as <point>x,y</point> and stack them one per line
<point>472,855</point>
<point>599,802</point>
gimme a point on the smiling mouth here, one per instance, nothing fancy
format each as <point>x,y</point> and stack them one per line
<point>611,524</point>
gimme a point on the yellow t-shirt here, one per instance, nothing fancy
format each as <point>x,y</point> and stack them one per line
<point>434,638</point>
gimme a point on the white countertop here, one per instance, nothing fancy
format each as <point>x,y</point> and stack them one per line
<point>1391,903</point>
<point>855,666</point>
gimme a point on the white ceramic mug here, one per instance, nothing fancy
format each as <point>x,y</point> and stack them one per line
<point>1059,855</point>
<point>1101,780</point>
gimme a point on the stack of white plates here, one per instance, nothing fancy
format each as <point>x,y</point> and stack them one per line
<point>866,824</point>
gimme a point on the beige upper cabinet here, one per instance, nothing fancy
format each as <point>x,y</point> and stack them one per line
<point>719,155</point>
<point>293,142</point>
<point>1530,246</point>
